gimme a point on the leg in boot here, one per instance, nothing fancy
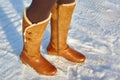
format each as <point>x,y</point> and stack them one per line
<point>33,32</point>
<point>60,23</point>
<point>39,10</point>
<point>59,2</point>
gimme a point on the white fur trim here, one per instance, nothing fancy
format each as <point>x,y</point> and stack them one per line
<point>32,25</point>
<point>26,18</point>
<point>69,4</point>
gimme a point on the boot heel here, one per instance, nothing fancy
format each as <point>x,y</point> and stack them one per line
<point>52,53</point>
<point>51,50</point>
<point>23,61</point>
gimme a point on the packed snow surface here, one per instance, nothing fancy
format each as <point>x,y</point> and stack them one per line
<point>94,31</point>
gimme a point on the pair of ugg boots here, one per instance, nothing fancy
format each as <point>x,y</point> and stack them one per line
<point>33,34</point>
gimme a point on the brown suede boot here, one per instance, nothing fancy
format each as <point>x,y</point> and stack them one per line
<point>60,22</point>
<point>33,34</point>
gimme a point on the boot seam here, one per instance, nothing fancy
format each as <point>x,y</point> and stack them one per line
<point>58,29</point>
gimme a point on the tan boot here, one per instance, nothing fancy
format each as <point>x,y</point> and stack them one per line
<point>33,34</point>
<point>60,23</point>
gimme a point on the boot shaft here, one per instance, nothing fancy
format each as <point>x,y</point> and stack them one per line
<point>60,22</point>
<point>32,35</point>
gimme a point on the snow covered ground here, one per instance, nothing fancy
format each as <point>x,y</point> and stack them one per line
<point>94,31</point>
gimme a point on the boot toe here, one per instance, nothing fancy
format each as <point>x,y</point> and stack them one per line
<point>82,59</point>
<point>54,71</point>
<point>51,71</point>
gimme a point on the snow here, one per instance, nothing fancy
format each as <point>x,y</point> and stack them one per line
<point>94,31</point>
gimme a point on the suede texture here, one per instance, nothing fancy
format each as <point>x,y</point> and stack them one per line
<point>60,22</point>
<point>31,54</point>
